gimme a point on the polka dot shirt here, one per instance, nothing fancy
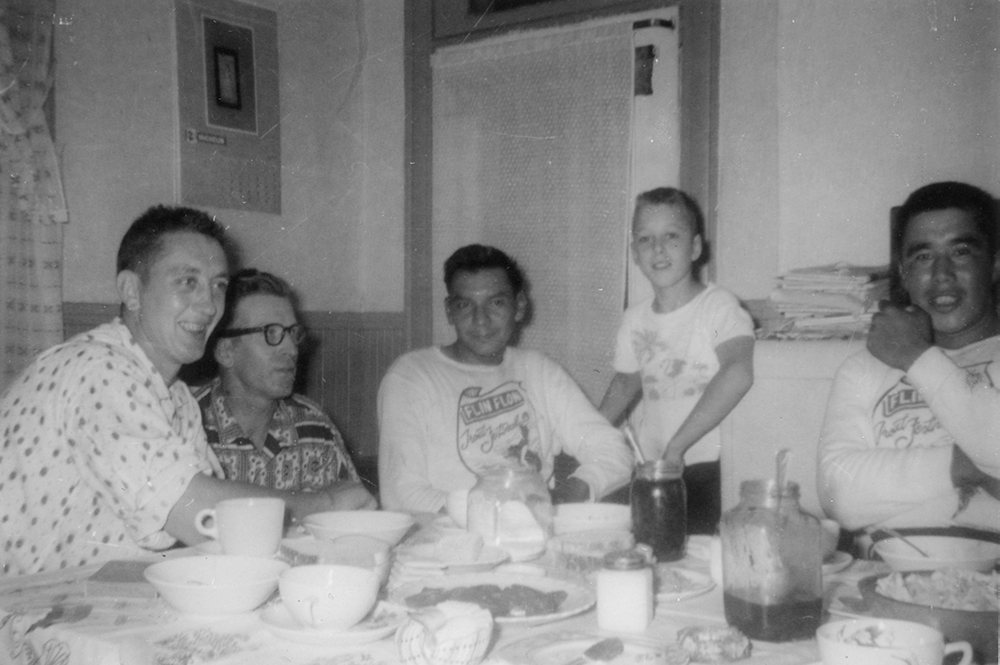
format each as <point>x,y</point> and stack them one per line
<point>96,451</point>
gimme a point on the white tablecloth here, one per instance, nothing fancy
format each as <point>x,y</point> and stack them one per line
<point>49,619</point>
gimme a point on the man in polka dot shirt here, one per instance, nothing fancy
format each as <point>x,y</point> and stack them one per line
<point>262,431</point>
<point>103,454</point>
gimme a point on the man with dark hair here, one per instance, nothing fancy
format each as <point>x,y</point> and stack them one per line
<point>261,431</point>
<point>104,456</point>
<point>910,435</point>
<point>446,413</point>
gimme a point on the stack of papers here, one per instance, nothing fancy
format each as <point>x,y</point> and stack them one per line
<point>829,301</point>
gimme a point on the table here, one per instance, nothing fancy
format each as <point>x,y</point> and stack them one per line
<point>50,619</point>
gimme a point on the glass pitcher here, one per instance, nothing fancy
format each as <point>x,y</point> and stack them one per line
<point>510,507</point>
<point>772,564</point>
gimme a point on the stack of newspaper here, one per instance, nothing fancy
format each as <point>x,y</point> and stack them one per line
<point>829,301</point>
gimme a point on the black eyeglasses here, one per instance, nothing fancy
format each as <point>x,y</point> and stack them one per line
<point>274,333</point>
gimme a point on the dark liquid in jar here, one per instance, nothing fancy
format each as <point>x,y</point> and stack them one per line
<point>780,622</point>
<point>659,516</point>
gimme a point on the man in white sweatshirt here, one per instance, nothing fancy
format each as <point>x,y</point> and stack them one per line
<point>911,437</point>
<point>448,413</point>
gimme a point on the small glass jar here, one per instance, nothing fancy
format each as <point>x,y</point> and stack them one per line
<point>659,509</point>
<point>510,507</point>
<point>772,564</point>
<point>625,590</point>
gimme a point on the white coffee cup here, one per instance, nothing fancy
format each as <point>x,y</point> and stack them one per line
<point>247,527</point>
<point>329,596</point>
<point>895,642</point>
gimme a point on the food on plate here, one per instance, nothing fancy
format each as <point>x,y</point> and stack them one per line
<point>947,588</point>
<point>674,582</point>
<point>714,644</point>
<point>461,548</point>
<point>515,600</point>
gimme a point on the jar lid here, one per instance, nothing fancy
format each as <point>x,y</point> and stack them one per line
<point>659,469</point>
<point>625,560</point>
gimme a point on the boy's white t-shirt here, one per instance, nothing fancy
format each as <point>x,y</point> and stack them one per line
<point>675,354</point>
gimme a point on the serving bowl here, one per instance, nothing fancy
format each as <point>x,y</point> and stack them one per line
<point>215,584</point>
<point>574,517</point>
<point>384,525</point>
<point>978,628</point>
<point>943,551</point>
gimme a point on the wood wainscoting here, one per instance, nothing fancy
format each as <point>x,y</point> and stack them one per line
<point>345,359</point>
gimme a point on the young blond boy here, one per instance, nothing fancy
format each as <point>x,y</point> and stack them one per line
<point>687,352</point>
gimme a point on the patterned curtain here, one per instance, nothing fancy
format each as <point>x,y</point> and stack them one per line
<point>32,207</point>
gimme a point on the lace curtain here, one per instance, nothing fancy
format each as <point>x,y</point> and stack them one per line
<point>32,207</point>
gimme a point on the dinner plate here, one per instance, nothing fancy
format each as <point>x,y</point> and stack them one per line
<point>578,597</point>
<point>562,647</point>
<point>677,584</point>
<point>837,562</point>
<point>382,622</point>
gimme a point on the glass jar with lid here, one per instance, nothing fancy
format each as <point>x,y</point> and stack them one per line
<point>510,507</point>
<point>659,509</point>
<point>772,564</point>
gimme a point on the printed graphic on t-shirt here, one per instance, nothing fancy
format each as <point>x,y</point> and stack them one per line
<point>903,419</point>
<point>666,373</point>
<point>496,427</point>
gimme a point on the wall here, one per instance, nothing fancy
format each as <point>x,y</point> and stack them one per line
<point>339,239</point>
<point>832,112</point>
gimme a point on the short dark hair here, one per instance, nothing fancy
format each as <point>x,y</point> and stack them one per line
<point>248,282</point>
<point>143,242</point>
<point>979,204</point>
<point>673,197</point>
<point>475,258</point>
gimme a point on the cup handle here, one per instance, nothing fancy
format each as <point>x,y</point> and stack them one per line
<point>964,647</point>
<point>199,523</point>
<point>312,614</point>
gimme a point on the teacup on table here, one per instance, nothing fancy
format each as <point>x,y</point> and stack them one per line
<point>328,597</point>
<point>885,642</point>
<point>244,527</point>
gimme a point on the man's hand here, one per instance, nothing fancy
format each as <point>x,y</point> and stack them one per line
<point>572,490</point>
<point>672,457</point>
<point>899,335</point>
<point>349,495</point>
<point>966,475</point>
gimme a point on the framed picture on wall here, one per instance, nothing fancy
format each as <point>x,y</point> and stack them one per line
<point>227,78</point>
<point>230,80</point>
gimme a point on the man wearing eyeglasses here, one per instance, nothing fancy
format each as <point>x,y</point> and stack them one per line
<point>262,432</point>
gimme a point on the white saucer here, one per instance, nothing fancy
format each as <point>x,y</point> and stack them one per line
<point>837,563</point>
<point>382,622</point>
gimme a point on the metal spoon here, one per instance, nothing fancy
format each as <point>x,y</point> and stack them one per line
<point>603,651</point>
<point>630,437</point>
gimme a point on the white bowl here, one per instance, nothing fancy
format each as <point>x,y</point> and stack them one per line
<point>944,551</point>
<point>573,517</point>
<point>215,584</point>
<point>384,525</point>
